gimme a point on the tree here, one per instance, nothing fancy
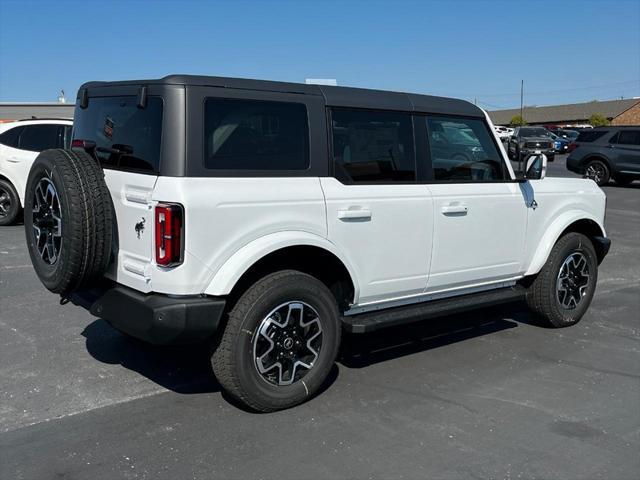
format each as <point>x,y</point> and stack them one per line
<point>598,120</point>
<point>517,121</point>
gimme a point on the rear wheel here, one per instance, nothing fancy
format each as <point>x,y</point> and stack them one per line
<point>9,203</point>
<point>598,171</point>
<point>564,288</point>
<point>280,342</point>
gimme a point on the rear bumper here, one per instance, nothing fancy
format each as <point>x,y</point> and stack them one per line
<point>154,318</point>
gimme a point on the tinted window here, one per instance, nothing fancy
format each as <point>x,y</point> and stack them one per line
<point>37,138</point>
<point>67,136</point>
<point>629,137</point>
<point>590,135</point>
<point>11,136</point>
<point>533,132</point>
<point>255,135</point>
<point>462,150</point>
<point>132,134</point>
<point>373,146</point>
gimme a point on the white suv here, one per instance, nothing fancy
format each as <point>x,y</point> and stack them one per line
<point>20,144</point>
<point>267,217</point>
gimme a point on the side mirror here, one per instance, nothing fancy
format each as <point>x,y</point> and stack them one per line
<point>535,167</point>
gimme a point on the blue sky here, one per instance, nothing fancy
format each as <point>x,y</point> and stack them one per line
<point>566,51</point>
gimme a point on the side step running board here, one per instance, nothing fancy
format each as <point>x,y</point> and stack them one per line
<point>369,322</point>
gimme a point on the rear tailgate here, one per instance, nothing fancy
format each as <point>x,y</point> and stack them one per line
<point>131,194</point>
<point>128,146</point>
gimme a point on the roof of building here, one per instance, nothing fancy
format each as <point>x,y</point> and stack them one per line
<point>21,110</point>
<point>564,113</point>
<point>333,95</point>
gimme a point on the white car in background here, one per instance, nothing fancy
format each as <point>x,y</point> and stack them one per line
<point>504,133</point>
<point>20,143</point>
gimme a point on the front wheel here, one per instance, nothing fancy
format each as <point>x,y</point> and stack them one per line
<point>564,288</point>
<point>280,342</point>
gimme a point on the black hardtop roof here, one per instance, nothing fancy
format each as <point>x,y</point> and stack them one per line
<point>333,96</point>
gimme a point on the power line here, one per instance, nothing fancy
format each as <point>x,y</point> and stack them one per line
<point>546,92</point>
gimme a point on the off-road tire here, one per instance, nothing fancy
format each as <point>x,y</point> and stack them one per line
<point>233,359</point>
<point>606,173</point>
<point>542,295</point>
<point>13,211</point>
<point>87,219</point>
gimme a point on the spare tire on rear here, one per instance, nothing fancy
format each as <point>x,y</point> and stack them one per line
<point>68,220</point>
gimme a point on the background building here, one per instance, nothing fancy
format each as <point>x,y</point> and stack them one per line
<point>17,111</point>
<point>618,112</point>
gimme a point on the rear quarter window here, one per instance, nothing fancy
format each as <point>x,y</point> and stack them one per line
<point>255,135</point>
<point>10,137</point>
<point>126,137</point>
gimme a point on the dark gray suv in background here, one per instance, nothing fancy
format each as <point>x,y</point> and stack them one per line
<point>605,153</point>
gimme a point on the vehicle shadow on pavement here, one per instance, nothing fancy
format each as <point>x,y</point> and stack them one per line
<point>182,369</point>
<point>187,369</point>
<point>362,350</point>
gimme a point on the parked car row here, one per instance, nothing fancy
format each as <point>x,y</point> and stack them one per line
<point>20,144</point>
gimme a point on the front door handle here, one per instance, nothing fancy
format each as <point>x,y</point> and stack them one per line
<point>354,214</point>
<point>455,209</point>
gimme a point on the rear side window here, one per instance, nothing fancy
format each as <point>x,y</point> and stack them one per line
<point>10,137</point>
<point>373,146</point>
<point>591,136</point>
<point>126,137</point>
<point>255,135</point>
<point>462,150</point>
<point>628,137</point>
<point>37,138</point>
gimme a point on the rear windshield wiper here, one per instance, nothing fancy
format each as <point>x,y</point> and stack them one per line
<point>117,149</point>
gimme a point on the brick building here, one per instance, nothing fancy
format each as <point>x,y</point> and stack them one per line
<point>631,116</point>
<point>618,112</point>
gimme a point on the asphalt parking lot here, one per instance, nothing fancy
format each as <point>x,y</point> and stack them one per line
<point>489,394</point>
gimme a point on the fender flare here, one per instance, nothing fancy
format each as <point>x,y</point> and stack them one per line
<point>552,235</point>
<point>234,267</point>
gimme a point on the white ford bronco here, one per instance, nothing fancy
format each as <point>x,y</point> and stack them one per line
<point>266,217</point>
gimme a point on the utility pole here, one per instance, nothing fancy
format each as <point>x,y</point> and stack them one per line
<point>521,98</point>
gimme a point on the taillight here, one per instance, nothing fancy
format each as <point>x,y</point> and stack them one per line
<point>169,234</point>
<point>572,146</point>
<point>86,144</point>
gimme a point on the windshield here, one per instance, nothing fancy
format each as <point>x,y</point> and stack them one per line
<point>126,137</point>
<point>534,132</point>
<point>460,135</point>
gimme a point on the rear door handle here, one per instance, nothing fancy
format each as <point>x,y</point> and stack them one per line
<point>354,214</point>
<point>455,209</point>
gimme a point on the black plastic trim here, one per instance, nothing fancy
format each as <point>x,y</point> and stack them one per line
<point>369,322</point>
<point>155,318</point>
<point>602,246</point>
